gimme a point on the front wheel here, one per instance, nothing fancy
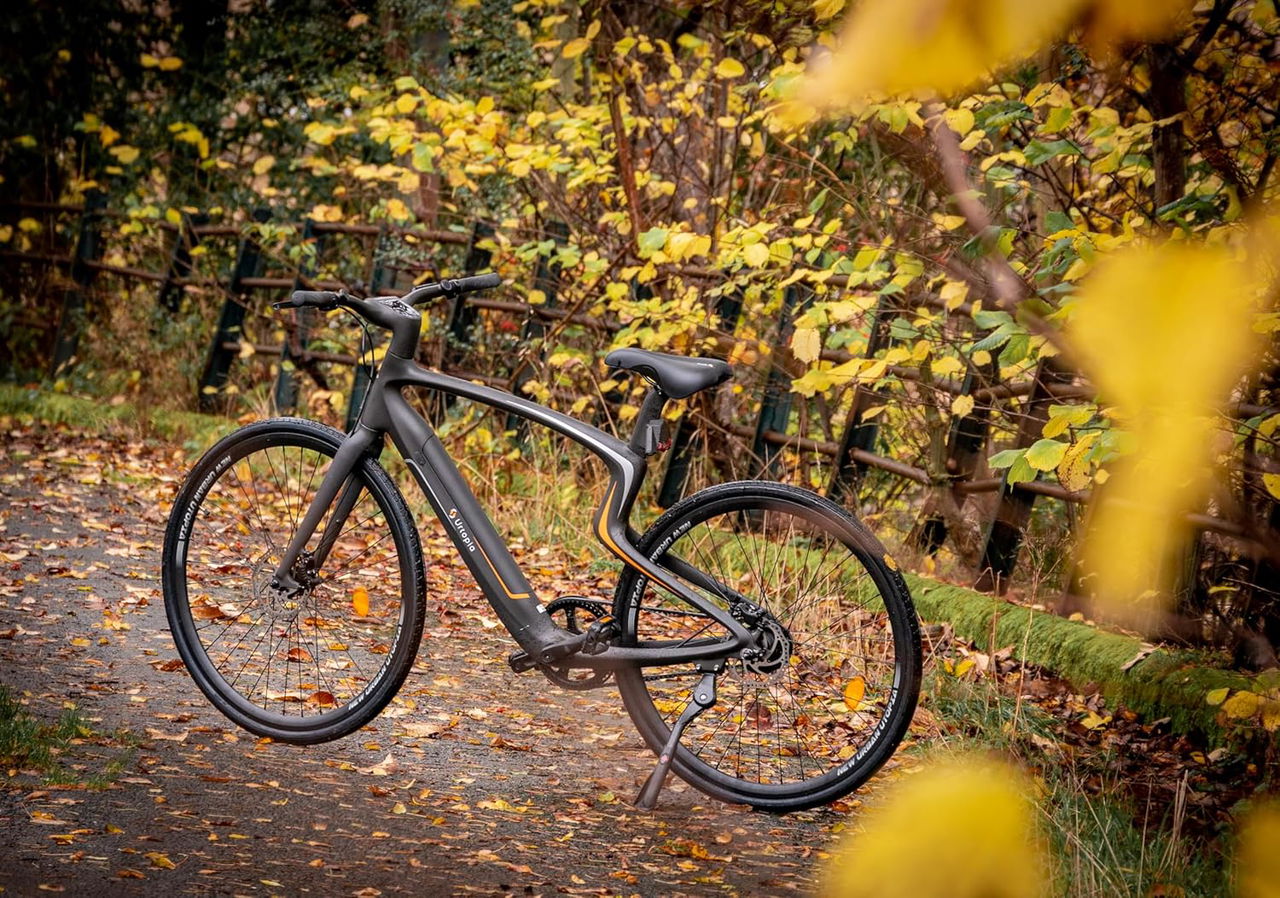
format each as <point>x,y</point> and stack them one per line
<point>305,667</point>
<point>827,692</point>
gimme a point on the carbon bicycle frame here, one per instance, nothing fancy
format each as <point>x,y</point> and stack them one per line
<point>483,550</point>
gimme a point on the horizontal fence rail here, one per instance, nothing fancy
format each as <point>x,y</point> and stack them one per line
<point>851,452</point>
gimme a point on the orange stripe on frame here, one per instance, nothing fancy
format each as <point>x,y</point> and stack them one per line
<point>501,582</point>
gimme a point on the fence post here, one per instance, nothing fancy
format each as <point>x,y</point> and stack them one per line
<point>683,445</point>
<point>965,443</point>
<point>231,320</point>
<point>363,375</point>
<point>294,346</point>
<point>185,240</point>
<point>88,249</point>
<point>1004,538</point>
<point>546,279</point>
<point>859,434</point>
<point>775,403</point>
<point>462,316</point>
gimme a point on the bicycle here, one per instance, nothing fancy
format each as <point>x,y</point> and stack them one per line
<point>295,591</point>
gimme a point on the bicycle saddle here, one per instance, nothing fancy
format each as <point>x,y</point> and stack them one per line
<point>677,376</point>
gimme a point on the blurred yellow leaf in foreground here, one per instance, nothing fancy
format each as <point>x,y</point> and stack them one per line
<point>1163,331</point>
<point>962,829</point>
<point>928,46</point>
<point>1257,861</point>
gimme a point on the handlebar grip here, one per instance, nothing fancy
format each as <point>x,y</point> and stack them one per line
<point>453,287</point>
<point>486,281</point>
<point>308,299</point>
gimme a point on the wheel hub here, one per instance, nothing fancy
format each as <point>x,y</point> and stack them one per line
<point>772,650</point>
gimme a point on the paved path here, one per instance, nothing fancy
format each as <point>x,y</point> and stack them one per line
<point>475,781</point>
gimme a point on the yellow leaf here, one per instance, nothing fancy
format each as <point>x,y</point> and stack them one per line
<point>827,9</point>
<point>263,164</point>
<point>806,344</point>
<point>1272,483</point>
<point>160,860</point>
<point>854,690</point>
<point>406,103</point>
<point>961,406</point>
<point>170,64</point>
<point>125,153</point>
<point>1073,471</point>
<point>1111,25</point>
<point>360,601</point>
<point>1271,716</point>
<point>934,815</point>
<point>1045,455</point>
<point>953,294</point>
<point>959,121</point>
<point>948,365</point>
<point>1242,705</point>
<point>730,68</point>
<point>1153,345</point>
<point>149,61</point>
<point>921,46</point>
<point>397,210</point>
<point>575,48</point>
<point>1216,696</point>
<point>1257,861</point>
<point>756,255</point>
<point>108,135</point>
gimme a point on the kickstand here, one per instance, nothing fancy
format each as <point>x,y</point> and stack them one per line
<point>704,696</point>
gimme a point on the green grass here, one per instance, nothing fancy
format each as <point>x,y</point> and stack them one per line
<point>1101,843</point>
<point>28,744</point>
<point>46,749</point>
<point>93,415</point>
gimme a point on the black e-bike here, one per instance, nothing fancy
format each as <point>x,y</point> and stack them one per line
<point>294,587</point>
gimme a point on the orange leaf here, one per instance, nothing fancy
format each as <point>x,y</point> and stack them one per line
<point>360,601</point>
<point>854,690</point>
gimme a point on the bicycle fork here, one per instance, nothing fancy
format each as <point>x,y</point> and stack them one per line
<point>339,483</point>
<point>704,696</point>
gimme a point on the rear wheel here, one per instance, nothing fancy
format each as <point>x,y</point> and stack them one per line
<point>299,668</point>
<point>827,692</point>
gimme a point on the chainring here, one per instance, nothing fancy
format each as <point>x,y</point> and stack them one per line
<point>575,614</point>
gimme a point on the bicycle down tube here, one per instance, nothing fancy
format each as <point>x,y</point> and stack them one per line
<point>478,542</point>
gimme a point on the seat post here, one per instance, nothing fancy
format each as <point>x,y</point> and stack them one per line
<point>646,439</point>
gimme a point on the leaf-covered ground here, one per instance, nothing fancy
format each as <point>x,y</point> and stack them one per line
<point>475,781</point>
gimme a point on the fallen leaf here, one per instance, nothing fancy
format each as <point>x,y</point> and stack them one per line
<point>385,767</point>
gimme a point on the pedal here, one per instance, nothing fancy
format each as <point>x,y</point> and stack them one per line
<point>599,635</point>
<point>521,661</point>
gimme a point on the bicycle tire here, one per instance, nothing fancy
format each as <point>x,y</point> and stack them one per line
<point>334,655</point>
<point>805,702</point>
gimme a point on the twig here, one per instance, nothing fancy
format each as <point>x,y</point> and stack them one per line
<point>1007,288</point>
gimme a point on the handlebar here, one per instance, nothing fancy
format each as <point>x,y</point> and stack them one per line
<point>449,287</point>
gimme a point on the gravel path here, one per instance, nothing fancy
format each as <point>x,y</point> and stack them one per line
<point>475,781</point>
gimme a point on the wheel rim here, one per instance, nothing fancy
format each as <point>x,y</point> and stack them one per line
<point>292,662</point>
<point>813,701</point>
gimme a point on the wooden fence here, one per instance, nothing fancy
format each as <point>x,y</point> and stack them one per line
<point>778,421</point>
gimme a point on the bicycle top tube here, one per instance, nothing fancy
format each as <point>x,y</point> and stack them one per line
<point>385,410</point>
